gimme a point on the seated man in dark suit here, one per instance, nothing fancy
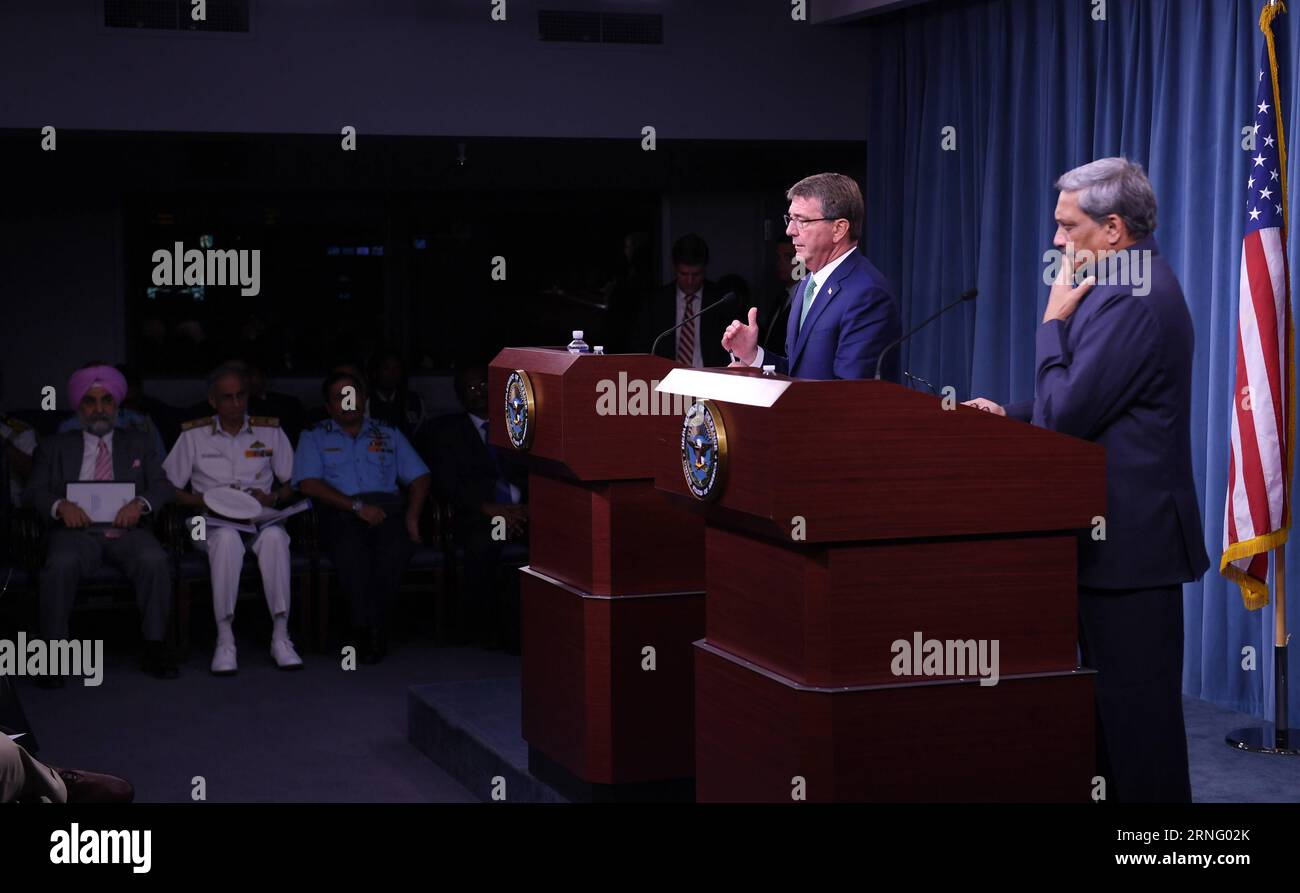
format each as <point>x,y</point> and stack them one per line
<point>272,404</point>
<point>695,343</point>
<point>481,487</point>
<point>350,465</point>
<point>1115,367</point>
<point>843,315</point>
<point>101,452</point>
<point>391,401</point>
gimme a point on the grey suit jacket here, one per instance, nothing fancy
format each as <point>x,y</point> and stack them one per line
<point>58,462</point>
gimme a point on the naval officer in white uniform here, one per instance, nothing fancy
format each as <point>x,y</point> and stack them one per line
<point>228,449</point>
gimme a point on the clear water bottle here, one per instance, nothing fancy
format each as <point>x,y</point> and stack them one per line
<point>577,345</point>
<point>599,350</point>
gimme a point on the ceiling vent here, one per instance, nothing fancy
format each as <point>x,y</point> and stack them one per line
<point>560,26</point>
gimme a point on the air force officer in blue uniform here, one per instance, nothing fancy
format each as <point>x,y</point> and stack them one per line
<point>843,314</point>
<point>1114,366</point>
<point>351,465</point>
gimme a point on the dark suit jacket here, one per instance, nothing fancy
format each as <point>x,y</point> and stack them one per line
<point>464,472</point>
<point>58,462</point>
<point>853,318</point>
<point>660,313</point>
<point>1119,372</point>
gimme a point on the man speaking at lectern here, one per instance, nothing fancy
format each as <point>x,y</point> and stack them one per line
<point>1114,366</point>
<point>843,315</point>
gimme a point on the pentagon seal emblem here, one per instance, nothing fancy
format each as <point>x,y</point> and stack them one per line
<point>704,450</point>
<point>521,409</point>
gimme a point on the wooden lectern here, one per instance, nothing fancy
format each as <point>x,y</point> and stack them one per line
<point>612,599</point>
<point>856,524</point>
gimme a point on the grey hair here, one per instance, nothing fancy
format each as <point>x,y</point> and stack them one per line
<point>234,367</point>
<point>839,195</point>
<point>1114,186</point>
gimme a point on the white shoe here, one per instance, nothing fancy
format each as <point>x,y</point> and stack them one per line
<point>223,660</point>
<point>286,658</point>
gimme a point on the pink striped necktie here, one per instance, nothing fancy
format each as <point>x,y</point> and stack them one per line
<point>103,463</point>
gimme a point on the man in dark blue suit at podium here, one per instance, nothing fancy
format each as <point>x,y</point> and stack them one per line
<point>843,314</point>
<point>1114,366</point>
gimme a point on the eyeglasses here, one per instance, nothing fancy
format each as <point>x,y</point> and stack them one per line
<point>800,222</point>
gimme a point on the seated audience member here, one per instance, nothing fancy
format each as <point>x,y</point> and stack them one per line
<point>76,547</point>
<point>126,418</point>
<point>165,417</point>
<point>234,449</point>
<point>390,400</point>
<point>263,402</point>
<point>25,779</point>
<point>19,444</point>
<point>350,465</point>
<point>318,414</point>
<point>481,486</point>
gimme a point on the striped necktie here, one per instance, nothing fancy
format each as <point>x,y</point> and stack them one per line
<point>686,335</point>
<point>809,290</point>
<point>103,463</point>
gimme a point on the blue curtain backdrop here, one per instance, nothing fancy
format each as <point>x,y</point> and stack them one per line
<point>1034,88</point>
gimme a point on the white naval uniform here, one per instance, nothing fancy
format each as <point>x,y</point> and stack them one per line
<point>205,456</point>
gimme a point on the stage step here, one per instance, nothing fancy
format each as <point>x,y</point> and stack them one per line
<point>473,730</point>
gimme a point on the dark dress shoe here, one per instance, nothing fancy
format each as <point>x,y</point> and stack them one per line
<point>158,662</point>
<point>94,787</point>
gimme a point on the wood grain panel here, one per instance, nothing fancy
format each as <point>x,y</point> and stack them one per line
<point>1027,739</point>
<point>588,703</point>
<point>829,615</point>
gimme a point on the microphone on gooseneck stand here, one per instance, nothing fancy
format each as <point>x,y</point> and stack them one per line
<point>969,295</point>
<point>729,296</point>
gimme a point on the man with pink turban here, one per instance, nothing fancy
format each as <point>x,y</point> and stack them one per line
<point>75,548</point>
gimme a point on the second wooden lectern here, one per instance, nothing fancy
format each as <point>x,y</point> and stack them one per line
<point>613,596</point>
<point>891,594</point>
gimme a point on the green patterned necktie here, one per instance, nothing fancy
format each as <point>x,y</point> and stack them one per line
<point>808,292</point>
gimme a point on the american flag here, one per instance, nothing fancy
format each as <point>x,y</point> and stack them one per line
<point>1258,505</point>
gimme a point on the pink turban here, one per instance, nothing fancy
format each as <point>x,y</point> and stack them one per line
<point>105,377</point>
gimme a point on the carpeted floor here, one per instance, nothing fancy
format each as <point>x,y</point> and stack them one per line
<point>321,734</point>
<point>328,735</point>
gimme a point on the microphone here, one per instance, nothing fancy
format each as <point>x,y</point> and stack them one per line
<point>789,299</point>
<point>968,295</point>
<point>729,296</point>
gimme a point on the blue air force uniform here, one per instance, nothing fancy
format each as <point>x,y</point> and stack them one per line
<point>369,560</point>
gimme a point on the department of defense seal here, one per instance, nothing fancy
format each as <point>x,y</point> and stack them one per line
<point>704,450</point>
<point>521,409</point>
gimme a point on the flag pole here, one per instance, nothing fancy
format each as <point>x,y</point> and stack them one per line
<point>1277,737</point>
<point>1286,739</point>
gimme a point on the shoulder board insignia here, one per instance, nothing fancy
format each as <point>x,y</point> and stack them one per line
<point>264,421</point>
<point>197,423</point>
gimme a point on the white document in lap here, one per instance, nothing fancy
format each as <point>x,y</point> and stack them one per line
<point>101,500</point>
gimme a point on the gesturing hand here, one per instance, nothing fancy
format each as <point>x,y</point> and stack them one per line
<point>742,339</point>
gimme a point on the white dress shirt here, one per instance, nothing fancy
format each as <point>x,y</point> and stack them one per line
<point>819,279</point>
